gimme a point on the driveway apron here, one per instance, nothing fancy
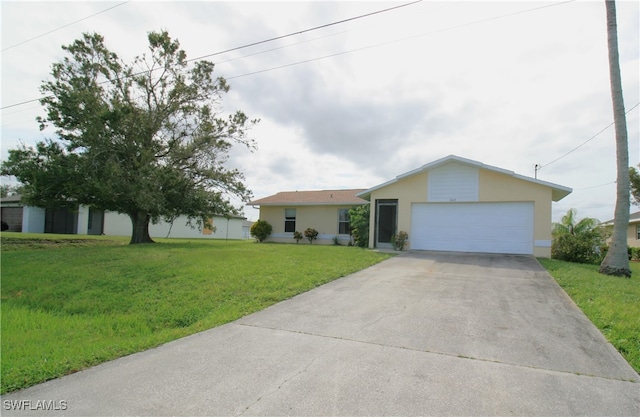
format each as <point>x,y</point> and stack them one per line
<point>423,333</point>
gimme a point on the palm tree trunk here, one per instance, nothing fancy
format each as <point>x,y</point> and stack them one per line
<point>617,260</point>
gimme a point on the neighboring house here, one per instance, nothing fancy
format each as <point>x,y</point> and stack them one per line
<point>223,227</point>
<point>87,221</point>
<point>452,204</point>
<point>28,219</point>
<point>11,213</point>
<point>633,231</point>
<point>326,211</point>
<point>456,204</point>
<point>246,229</point>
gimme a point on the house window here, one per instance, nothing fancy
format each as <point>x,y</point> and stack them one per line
<point>344,226</point>
<point>638,231</point>
<point>289,220</point>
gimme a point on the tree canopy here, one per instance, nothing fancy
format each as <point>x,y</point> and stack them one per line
<point>634,178</point>
<point>570,225</point>
<point>147,139</point>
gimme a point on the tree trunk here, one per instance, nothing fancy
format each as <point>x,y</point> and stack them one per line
<point>617,260</point>
<point>140,231</point>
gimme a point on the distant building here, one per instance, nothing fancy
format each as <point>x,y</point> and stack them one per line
<point>88,221</point>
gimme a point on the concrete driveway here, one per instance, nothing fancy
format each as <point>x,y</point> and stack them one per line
<point>423,333</point>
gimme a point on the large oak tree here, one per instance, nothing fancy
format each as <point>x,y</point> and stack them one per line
<point>147,139</point>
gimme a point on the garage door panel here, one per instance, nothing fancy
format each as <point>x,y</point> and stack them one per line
<point>473,227</point>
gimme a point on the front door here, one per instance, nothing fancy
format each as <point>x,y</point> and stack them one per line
<point>386,222</point>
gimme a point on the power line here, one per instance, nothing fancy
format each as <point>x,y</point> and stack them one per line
<point>399,40</point>
<point>339,53</point>
<point>594,186</point>
<point>305,31</point>
<point>256,43</point>
<point>585,142</point>
<point>64,26</point>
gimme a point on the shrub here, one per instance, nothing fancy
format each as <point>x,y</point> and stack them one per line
<point>336,241</point>
<point>297,236</point>
<point>261,230</point>
<point>359,222</point>
<point>400,240</point>
<point>311,234</point>
<point>584,248</point>
<point>635,254</point>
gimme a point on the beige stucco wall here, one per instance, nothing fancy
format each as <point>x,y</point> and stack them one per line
<point>492,187</point>
<point>322,218</point>
<point>632,236</point>
<point>410,190</point>
<point>496,187</point>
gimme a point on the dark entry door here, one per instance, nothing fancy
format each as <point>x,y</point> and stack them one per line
<point>60,221</point>
<point>386,222</point>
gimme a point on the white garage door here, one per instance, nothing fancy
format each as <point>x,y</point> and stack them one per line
<point>473,227</point>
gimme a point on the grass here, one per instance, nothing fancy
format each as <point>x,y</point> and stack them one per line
<point>611,303</point>
<point>68,304</point>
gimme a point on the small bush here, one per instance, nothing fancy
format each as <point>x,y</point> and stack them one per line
<point>297,236</point>
<point>311,235</point>
<point>359,221</point>
<point>261,230</point>
<point>585,248</point>
<point>634,253</point>
<point>400,240</point>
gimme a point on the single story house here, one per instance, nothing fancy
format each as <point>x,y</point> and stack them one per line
<point>633,231</point>
<point>29,219</point>
<point>223,227</point>
<point>451,204</point>
<point>326,211</point>
<point>457,204</point>
<point>246,229</point>
<point>88,221</point>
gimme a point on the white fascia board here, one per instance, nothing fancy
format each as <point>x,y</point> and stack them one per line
<point>366,194</point>
<point>284,204</point>
<point>558,191</point>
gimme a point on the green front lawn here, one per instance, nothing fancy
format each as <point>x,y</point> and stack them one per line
<point>68,304</point>
<point>611,303</point>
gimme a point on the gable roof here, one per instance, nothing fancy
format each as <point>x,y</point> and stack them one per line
<point>633,218</point>
<point>558,192</point>
<point>321,197</point>
<point>11,199</point>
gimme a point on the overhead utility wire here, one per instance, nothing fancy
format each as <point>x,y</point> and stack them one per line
<point>585,142</point>
<point>62,27</point>
<point>399,40</point>
<point>305,31</point>
<point>278,48</point>
<point>259,42</point>
<point>594,186</point>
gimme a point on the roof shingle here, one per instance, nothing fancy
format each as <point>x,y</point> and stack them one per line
<point>328,197</point>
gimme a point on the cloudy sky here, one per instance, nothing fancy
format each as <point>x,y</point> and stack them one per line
<point>351,105</point>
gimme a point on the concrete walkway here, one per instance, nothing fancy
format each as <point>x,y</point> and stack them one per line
<point>423,333</point>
